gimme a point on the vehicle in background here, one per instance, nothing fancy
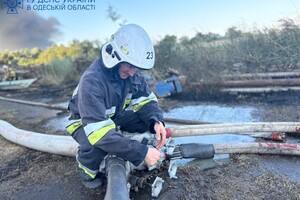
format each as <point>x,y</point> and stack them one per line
<point>167,87</point>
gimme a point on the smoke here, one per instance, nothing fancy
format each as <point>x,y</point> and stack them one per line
<point>26,29</point>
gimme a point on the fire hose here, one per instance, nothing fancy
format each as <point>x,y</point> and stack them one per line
<point>65,145</point>
<point>116,179</point>
<point>238,128</point>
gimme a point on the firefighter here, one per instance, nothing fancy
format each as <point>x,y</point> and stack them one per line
<point>9,74</point>
<point>2,73</point>
<point>112,97</point>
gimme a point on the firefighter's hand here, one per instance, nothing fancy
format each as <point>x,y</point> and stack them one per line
<point>160,134</point>
<point>152,156</point>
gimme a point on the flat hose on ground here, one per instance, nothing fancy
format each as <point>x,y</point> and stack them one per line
<point>54,107</point>
<point>258,148</point>
<point>203,151</point>
<point>233,128</point>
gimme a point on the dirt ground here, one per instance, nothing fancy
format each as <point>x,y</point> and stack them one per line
<point>29,174</point>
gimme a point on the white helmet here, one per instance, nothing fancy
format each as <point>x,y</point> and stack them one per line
<point>129,44</point>
<point>5,67</point>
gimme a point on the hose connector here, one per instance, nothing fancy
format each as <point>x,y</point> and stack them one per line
<point>197,150</point>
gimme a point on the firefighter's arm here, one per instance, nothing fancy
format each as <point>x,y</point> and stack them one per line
<point>100,129</point>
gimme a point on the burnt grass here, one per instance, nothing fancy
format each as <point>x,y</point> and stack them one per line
<point>29,174</point>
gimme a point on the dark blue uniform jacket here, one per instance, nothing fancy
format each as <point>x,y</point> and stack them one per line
<point>102,98</point>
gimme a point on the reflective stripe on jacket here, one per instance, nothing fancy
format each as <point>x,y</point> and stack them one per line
<point>103,96</point>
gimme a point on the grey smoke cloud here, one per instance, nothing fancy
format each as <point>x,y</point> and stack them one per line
<point>26,29</point>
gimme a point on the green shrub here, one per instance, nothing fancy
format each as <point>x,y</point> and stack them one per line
<point>59,71</point>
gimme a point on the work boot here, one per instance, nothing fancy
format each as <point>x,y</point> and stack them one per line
<point>93,183</point>
<point>88,182</point>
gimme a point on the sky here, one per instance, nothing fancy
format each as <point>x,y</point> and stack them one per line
<point>157,17</point>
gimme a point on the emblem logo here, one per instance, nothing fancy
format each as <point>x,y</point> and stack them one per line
<point>11,6</point>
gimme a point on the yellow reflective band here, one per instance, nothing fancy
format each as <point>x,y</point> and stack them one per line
<point>87,171</point>
<point>97,135</point>
<point>138,106</point>
<point>72,127</point>
<point>127,102</point>
<point>111,112</point>
<point>92,127</point>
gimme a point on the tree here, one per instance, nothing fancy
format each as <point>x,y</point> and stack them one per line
<point>232,33</point>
